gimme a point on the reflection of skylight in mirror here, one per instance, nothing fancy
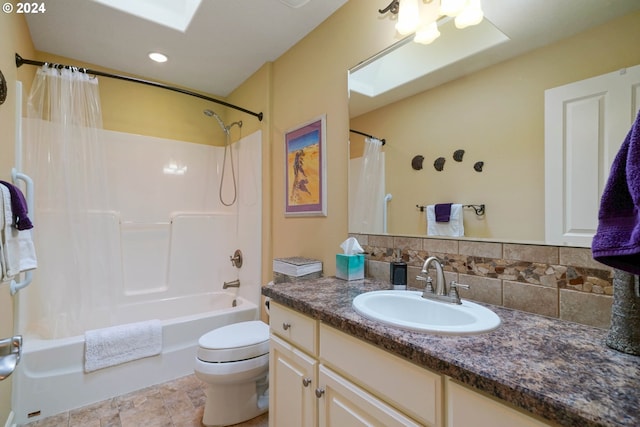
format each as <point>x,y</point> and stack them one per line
<point>407,60</point>
<point>176,14</point>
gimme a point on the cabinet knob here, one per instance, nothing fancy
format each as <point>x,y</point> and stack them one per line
<point>306,382</point>
<point>319,392</point>
<point>286,325</point>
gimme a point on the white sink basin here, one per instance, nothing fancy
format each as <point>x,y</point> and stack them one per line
<point>408,310</point>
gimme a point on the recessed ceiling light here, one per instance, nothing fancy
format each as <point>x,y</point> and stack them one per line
<point>158,57</point>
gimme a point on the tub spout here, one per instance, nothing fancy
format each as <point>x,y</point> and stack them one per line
<point>232,284</point>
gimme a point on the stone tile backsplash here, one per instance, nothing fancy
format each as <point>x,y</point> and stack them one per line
<point>555,281</point>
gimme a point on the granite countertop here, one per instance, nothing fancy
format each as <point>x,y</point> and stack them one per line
<point>560,371</point>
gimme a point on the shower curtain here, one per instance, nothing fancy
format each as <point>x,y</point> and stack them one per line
<point>369,200</point>
<point>75,231</point>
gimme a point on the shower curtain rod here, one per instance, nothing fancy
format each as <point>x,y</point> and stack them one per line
<point>384,141</point>
<point>21,61</point>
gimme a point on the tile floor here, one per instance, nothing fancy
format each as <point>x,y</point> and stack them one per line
<point>178,403</point>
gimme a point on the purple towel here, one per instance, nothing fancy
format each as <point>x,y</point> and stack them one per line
<point>617,241</point>
<point>443,212</point>
<point>21,220</point>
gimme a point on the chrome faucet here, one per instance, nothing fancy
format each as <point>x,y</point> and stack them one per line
<point>232,284</point>
<point>440,293</point>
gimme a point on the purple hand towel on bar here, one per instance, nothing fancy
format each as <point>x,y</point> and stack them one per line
<point>617,240</point>
<point>21,220</point>
<point>443,212</point>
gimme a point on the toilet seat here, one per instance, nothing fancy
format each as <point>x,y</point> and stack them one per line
<point>232,372</point>
<point>235,342</point>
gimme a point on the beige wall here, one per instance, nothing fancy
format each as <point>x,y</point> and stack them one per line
<point>497,116</point>
<point>309,80</point>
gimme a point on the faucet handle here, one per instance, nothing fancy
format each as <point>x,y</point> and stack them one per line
<point>428,288</point>
<point>455,285</point>
<point>453,291</point>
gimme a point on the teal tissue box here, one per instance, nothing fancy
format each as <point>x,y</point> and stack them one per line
<point>350,267</point>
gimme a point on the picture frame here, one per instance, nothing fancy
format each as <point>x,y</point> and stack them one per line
<point>305,169</point>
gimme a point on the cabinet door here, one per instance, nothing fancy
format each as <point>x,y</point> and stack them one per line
<point>344,404</point>
<point>585,124</point>
<point>466,407</point>
<point>292,382</point>
<point>411,389</point>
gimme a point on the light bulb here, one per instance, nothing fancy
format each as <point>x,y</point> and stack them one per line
<point>471,15</point>
<point>429,12</point>
<point>408,17</point>
<point>427,34</point>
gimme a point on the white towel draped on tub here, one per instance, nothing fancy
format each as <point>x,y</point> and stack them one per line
<point>119,344</point>
<point>455,226</point>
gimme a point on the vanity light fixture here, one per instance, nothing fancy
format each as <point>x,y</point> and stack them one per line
<point>158,57</point>
<point>421,16</point>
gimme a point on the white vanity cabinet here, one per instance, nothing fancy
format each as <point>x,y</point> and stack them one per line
<point>320,376</point>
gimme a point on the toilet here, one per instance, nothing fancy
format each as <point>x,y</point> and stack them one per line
<point>234,363</point>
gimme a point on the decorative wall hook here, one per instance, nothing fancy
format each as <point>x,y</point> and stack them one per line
<point>416,162</point>
<point>457,155</point>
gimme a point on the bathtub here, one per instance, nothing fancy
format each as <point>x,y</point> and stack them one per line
<point>51,377</point>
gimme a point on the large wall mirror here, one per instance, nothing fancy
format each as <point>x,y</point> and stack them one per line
<point>471,131</point>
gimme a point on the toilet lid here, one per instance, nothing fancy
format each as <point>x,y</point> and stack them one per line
<point>238,341</point>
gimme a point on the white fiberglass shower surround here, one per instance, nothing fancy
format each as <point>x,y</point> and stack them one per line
<point>172,239</point>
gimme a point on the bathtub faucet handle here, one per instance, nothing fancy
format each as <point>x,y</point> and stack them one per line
<point>236,259</point>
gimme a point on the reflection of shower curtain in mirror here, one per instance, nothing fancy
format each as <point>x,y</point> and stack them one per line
<point>368,202</point>
<point>74,227</point>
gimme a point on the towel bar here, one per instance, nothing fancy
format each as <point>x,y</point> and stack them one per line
<point>479,209</point>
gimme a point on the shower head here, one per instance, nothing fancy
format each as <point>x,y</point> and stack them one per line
<point>217,117</point>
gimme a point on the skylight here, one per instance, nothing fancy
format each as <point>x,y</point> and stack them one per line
<point>175,14</point>
<point>407,61</point>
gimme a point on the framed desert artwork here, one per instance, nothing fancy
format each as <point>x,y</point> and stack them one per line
<point>305,175</point>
